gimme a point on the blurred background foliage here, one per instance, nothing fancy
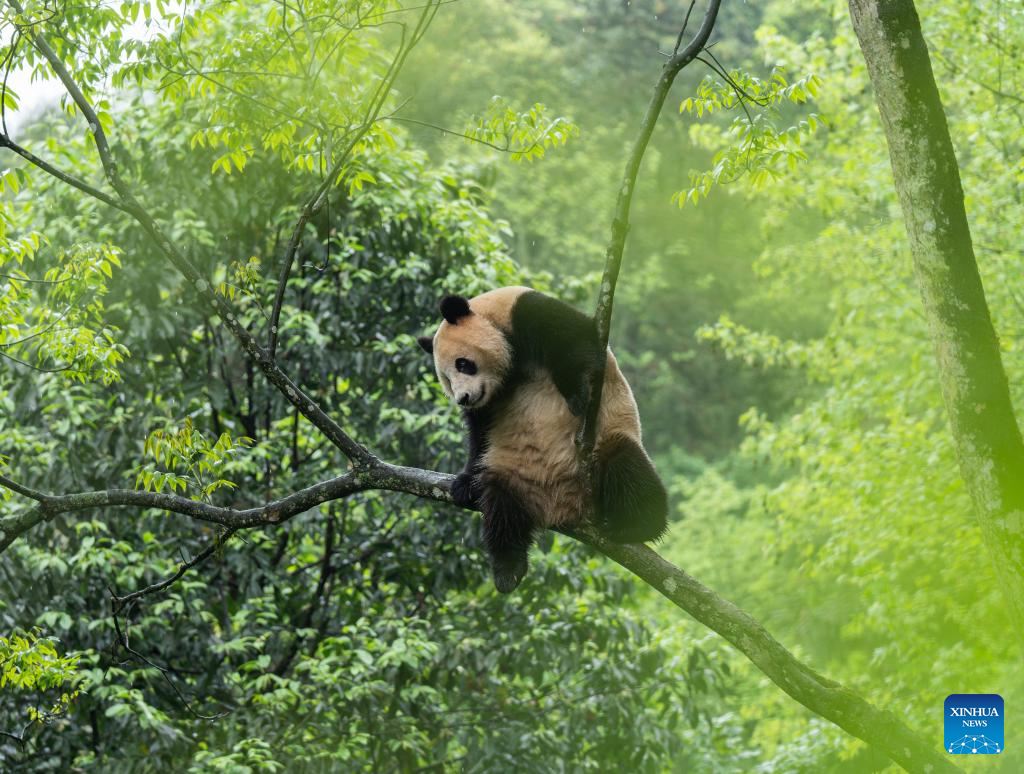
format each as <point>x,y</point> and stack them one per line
<point>771,332</point>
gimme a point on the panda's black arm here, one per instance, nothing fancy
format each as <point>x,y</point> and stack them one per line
<point>550,333</point>
<point>466,488</point>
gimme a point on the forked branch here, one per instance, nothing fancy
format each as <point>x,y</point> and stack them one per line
<point>127,201</point>
<point>620,215</point>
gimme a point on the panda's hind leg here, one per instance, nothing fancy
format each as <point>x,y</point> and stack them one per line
<point>632,505</point>
<point>508,531</point>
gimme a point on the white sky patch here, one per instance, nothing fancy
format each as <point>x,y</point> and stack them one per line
<point>35,97</point>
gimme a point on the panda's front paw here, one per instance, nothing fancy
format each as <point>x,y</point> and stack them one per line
<point>463,491</point>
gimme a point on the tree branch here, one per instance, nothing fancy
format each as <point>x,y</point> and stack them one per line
<point>316,201</point>
<point>879,728</point>
<point>119,603</point>
<point>376,475</point>
<point>64,177</point>
<point>620,216</point>
<point>122,640</point>
<point>127,202</point>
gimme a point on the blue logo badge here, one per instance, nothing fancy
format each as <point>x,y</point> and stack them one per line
<point>974,723</point>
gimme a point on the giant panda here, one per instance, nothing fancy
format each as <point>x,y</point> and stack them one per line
<point>519,365</point>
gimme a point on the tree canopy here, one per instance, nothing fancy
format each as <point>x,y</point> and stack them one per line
<point>215,259</point>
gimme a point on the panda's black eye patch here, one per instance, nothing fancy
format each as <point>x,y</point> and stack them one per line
<point>464,366</point>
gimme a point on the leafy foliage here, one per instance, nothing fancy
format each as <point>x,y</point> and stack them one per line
<point>757,147</point>
<point>526,136</point>
<point>190,451</point>
<point>772,336</point>
<point>364,634</point>
<point>31,667</point>
<point>58,322</point>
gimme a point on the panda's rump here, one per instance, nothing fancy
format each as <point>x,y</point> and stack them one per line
<point>531,448</point>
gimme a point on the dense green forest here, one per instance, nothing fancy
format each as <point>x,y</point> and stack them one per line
<point>227,541</point>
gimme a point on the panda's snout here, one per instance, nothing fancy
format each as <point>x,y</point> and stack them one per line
<point>464,399</point>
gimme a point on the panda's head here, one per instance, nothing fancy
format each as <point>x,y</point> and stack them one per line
<point>471,354</point>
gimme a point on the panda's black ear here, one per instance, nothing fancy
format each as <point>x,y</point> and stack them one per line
<point>454,308</point>
<point>426,343</point>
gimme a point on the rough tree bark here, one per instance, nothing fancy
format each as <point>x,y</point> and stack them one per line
<point>927,178</point>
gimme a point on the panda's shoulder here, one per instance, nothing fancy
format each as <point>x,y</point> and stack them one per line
<point>497,305</point>
<point>540,313</point>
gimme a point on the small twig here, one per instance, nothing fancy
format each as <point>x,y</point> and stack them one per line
<point>739,92</point>
<point>444,130</point>
<point>762,101</point>
<point>40,332</point>
<point>39,369</point>
<point>214,545</point>
<point>16,278</point>
<point>122,639</point>
<point>682,30</point>
<point>506,148</point>
<point>20,739</point>
<point>8,61</point>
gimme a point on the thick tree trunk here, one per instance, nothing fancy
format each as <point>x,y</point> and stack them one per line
<point>973,381</point>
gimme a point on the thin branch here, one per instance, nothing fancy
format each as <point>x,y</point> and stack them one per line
<point>316,201</point>
<point>255,101</point>
<point>122,640</point>
<point>119,603</point>
<point>444,130</point>
<point>41,332</point>
<point>506,148</point>
<point>736,89</point>
<point>620,218</point>
<point>762,101</point>
<point>41,719</point>
<point>966,74</point>
<point>8,62</point>
<point>128,203</point>
<point>64,177</point>
<point>682,30</point>
<point>16,278</point>
<point>37,369</point>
